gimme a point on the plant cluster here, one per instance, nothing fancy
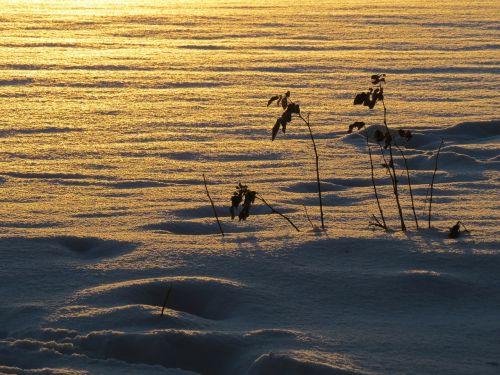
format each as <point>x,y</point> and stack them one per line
<point>242,200</point>
<point>456,230</point>
<point>290,108</point>
<point>374,94</point>
<point>385,140</point>
<point>243,197</point>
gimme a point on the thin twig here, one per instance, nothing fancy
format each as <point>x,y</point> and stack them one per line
<point>386,164</point>
<point>317,168</point>
<point>409,185</point>
<point>166,299</point>
<point>277,212</point>
<point>375,186</point>
<point>308,218</point>
<point>425,200</point>
<point>432,182</point>
<point>376,223</point>
<point>391,164</point>
<point>213,206</point>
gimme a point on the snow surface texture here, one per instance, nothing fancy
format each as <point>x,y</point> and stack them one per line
<point>323,304</point>
<point>111,112</point>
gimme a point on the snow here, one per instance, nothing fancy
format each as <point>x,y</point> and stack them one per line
<point>112,114</point>
<point>263,300</point>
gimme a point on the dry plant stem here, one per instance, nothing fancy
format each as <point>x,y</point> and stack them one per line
<point>317,169</point>
<point>391,165</point>
<point>425,200</point>
<point>375,186</point>
<point>376,223</point>
<point>213,206</point>
<point>166,300</point>
<point>307,216</point>
<point>386,164</point>
<point>409,185</point>
<point>276,212</point>
<point>432,182</point>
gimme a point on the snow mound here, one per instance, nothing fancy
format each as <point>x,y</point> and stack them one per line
<point>465,132</point>
<point>205,297</point>
<point>68,246</point>
<point>472,130</point>
<point>369,132</point>
<point>90,246</point>
<point>207,212</point>
<point>214,352</point>
<point>469,132</point>
<point>43,371</point>
<point>423,287</point>
<point>312,187</point>
<point>199,228</point>
<point>184,227</point>
<point>287,363</point>
<point>126,317</point>
<point>447,160</point>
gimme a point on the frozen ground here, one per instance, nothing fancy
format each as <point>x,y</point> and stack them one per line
<point>110,115</point>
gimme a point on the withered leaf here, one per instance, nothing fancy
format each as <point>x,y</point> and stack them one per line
<point>284,102</point>
<point>273,98</point>
<point>358,125</point>
<point>361,98</point>
<point>377,78</point>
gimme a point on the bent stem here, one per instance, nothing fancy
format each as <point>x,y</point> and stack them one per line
<point>395,179</point>
<point>277,212</point>
<point>409,185</point>
<point>166,299</point>
<point>213,206</point>
<point>308,218</point>
<point>432,182</point>
<point>317,169</point>
<point>376,223</point>
<point>375,188</point>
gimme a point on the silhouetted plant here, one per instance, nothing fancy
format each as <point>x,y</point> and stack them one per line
<point>358,125</point>
<point>376,222</point>
<point>290,109</point>
<point>165,300</point>
<point>213,206</point>
<point>409,185</point>
<point>456,230</point>
<point>308,218</point>
<point>242,200</point>
<point>432,182</point>
<point>369,99</point>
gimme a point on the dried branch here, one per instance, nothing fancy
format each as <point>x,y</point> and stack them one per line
<point>277,212</point>
<point>166,299</point>
<point>308,218</point>
<point>409,185</point>
<point>213,206</point>
<point>376,223</point>
<point>391,164</point>
<point>432,182</point>
<point>375,186</point>
<point>317,169</point>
